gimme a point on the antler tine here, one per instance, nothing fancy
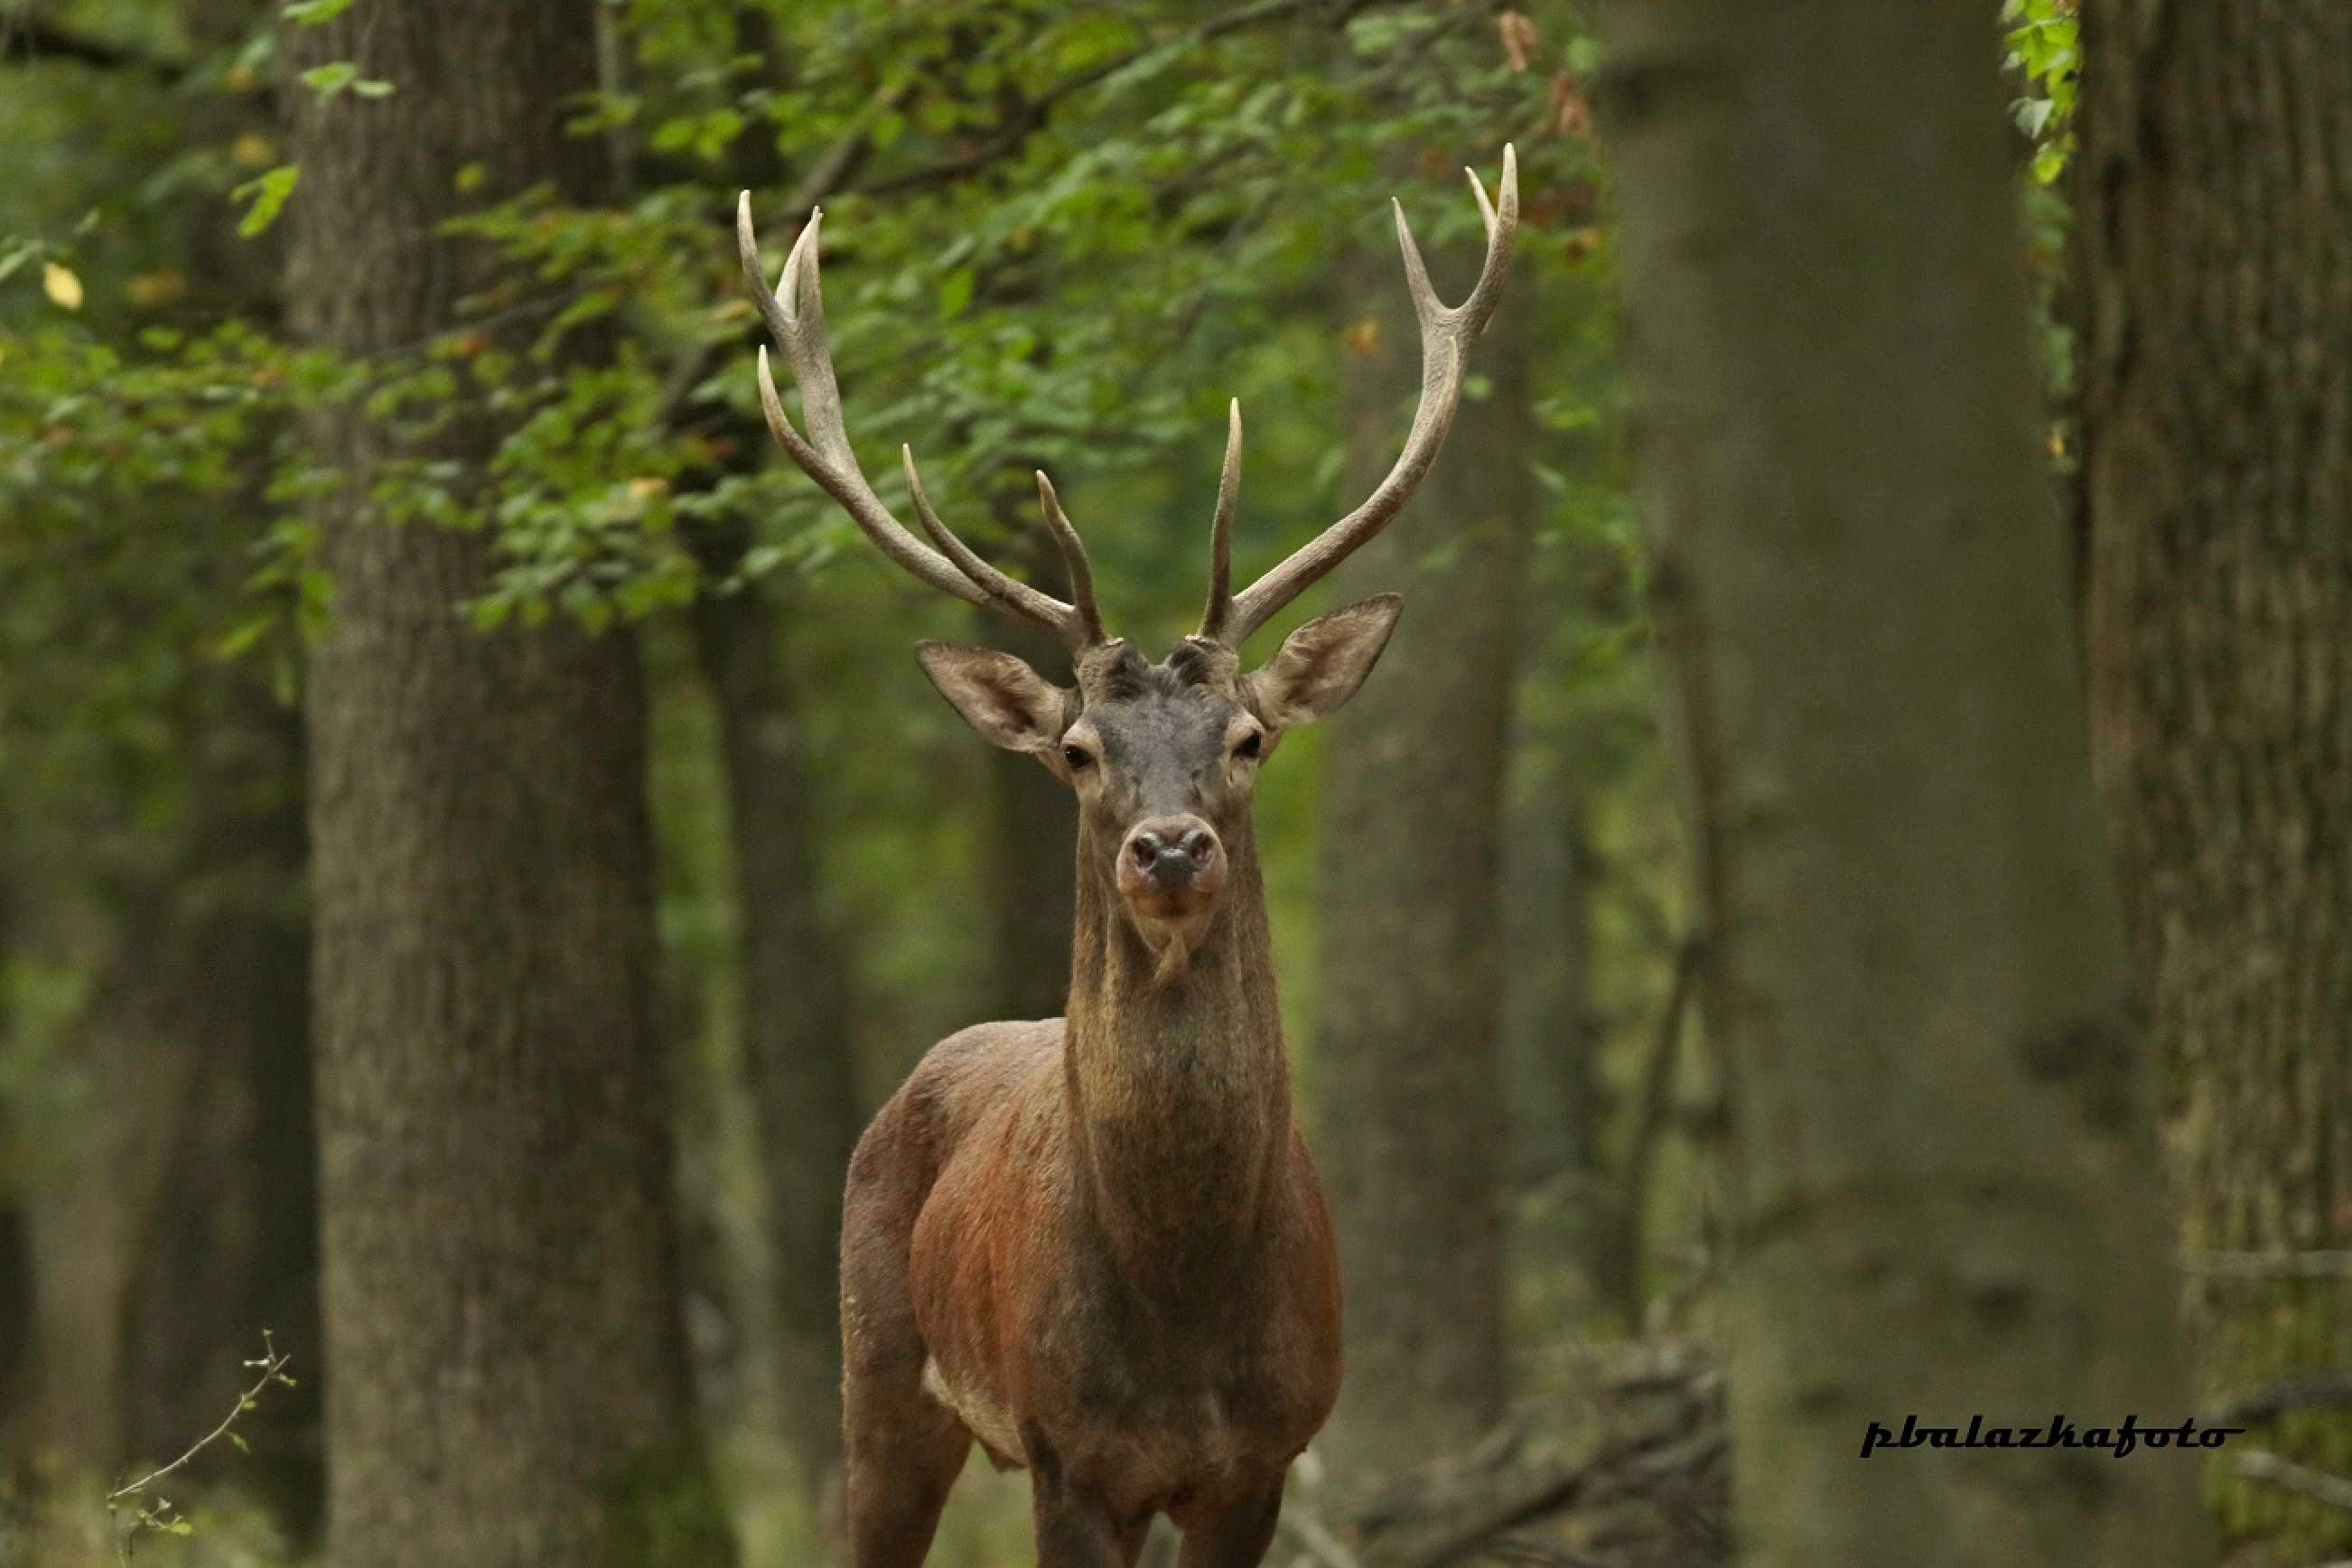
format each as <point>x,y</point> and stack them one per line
<point>1074,557</point>
<point>794,315</point>
<point>1214,619</point>
<point>1074,626</point>
<point>1446,334</point>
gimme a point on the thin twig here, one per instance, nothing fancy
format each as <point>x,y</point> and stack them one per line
<point>272,1362</point>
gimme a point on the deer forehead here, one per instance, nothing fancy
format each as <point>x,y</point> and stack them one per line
<point>1181,730</point>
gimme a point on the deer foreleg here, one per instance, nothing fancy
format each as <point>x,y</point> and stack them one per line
<point>1235,1533</point>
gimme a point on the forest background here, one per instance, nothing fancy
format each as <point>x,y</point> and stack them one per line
<point>445,748</point>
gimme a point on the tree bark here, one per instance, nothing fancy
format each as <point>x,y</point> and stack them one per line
<point>2214,257</point>
<point>795,1003</point>
<point>507,1376</point>
<point>1408,1069</point>
<point>1942,1184</point>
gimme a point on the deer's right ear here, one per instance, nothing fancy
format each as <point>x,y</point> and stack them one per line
<point>1321,664</point>
<point>1009,703</point>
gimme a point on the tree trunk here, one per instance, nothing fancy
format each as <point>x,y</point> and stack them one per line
<point>1943,1177</point>
<point>2215,261</point>
<point>795,1004</point>
<point>507,1377</point>
<point>1408,1063</point>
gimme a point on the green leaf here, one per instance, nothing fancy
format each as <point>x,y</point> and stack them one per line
<point>328,79</point>
<point>310,13</point>
<point>955,292</point>
<point>267,193</point>
<point>237,639</point>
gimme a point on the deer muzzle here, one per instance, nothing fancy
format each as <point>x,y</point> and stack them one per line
<point>1170,867</point>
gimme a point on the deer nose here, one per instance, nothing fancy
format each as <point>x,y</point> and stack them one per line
<point>1173,851</point>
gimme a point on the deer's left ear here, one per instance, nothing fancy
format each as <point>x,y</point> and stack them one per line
<point>1321,664</point>
<point>1009,703</point>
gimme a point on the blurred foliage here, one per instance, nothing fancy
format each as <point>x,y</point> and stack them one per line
<point>1058,236</point>
<point>2045,59</point>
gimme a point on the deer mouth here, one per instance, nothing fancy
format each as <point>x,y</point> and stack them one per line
<point>1161,903</point>
<point>1171,921</point>
<point>1171,899</point>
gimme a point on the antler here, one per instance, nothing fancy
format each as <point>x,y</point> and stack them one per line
<point>1446,334</point>
<point>794,313</point>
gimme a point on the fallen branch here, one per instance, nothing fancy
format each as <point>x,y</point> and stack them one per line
<point>1639,1485</point>
<point>1302,1522</point>
<point>2256,1464</point>
<point>2268,1265</point>
<point>2317,1392</point>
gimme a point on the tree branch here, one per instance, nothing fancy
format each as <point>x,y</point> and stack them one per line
<point>1034,113</point>
<point>1658,1076</point>
<point>35,39</point>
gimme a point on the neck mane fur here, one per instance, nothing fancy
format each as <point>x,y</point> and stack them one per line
<point>1178,1087</point>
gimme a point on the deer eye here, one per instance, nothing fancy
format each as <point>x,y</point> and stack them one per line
<point>1249,745</point>
<point>1077,757</point>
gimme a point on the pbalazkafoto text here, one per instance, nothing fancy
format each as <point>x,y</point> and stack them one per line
<point>2060,1433</point>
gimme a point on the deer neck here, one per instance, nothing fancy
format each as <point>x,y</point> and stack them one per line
<point>1178,1087</point>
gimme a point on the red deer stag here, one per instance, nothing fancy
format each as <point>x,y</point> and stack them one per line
<point>1095,1244</point>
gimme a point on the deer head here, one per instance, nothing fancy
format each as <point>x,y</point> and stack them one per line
<point>1163,757</point>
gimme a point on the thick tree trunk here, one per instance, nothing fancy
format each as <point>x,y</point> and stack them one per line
<point>1407,1062</point>
<point>2215,268</point>
<point>795,1003</point>
<point>507,1378</point>
<point>1943,1187</point>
